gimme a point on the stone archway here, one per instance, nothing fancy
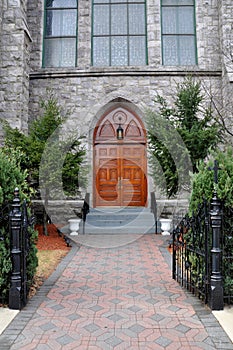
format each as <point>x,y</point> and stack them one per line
<point>120,165</point>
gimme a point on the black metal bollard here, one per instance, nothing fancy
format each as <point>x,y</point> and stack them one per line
<point>15,300</point>
<point>216,282</point>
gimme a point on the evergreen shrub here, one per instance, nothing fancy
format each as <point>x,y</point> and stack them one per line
<point>203,187</point>
<point>12,176</point>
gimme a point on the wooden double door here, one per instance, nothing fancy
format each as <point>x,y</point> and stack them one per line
<point>120,171</point>
<point>120,166</point>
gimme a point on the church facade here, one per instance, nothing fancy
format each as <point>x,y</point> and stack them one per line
<point>106,60</point>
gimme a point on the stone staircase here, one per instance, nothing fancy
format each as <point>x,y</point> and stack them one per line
<point>138,220</point>
<point>111,221</point>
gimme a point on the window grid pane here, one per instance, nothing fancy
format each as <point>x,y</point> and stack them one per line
<point>119,20</point>
<point>51,53</point>
<point>170,50</point>
<point>101,50</point>
<point>127,29</point>
<point>119,51</point>
<point>185,20</point>
<point>187,50</point>
<point>177,2</point>
<point>178,33</point>
<point>137,50</point>
<point>60,52</point>
<point>169,21</point>
<point>61,23</point>
<point>101,20</point>
<point>137,19</point>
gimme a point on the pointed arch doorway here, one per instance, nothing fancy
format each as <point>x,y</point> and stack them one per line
<point>120,164</point>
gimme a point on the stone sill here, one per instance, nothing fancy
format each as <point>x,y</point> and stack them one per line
<point>102,72</point>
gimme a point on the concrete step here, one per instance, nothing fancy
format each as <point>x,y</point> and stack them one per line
<point>92,230</point>
<point>119,221</point>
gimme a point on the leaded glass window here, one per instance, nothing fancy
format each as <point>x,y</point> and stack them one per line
<point>178,32</point>
<point>60,37</point>
<point>119,33</point>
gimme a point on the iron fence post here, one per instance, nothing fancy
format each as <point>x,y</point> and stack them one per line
<point>25,249</point>
<point>174,255</point>
<point>15,300</point>
<point>207,262</point>
<point>216,282</point>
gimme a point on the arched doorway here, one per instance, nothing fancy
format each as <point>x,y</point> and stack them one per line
<point>120,164</point>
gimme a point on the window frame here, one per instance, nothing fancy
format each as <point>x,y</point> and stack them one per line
<point>111,36</point>
<point>178,35</point>
<point>55,37</point>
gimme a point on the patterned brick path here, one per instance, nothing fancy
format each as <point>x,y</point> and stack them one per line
<point>116,298</point>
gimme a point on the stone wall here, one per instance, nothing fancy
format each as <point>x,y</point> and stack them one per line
<point>85,95</point>
<point>59,212</point>
<point>35,18</point>
<point>16,43</point>
<point>86,89</point>
<point>226,32</point>
<point>14,53</point>
<point>207,28</point>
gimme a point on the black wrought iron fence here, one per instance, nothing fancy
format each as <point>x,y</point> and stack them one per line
<point>227,253</point>
<point>199,264</point>
<point>191,259</point>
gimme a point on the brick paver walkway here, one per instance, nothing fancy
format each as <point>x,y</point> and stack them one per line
<point>116,298</point>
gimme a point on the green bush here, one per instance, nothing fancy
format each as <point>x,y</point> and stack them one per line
<point>44,135</point>
<point>5,263</point>
<point>203,181</point>
<point>32,260</point>
<point>55,163</point>
<point>11,176</point>
<point>203,187</point>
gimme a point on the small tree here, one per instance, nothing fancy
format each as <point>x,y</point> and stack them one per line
<point>193,122</point>
<point>33,145</point>
<point>42,131</point>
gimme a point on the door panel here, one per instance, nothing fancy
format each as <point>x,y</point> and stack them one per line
<point>133,181</point>
<point>107,169</point>
<point>120,172</point>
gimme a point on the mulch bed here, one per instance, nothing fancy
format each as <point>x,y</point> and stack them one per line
<point>51,242</point>
<point>51,249</point>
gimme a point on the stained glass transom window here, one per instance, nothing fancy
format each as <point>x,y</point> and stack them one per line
<point>60,36</point>
<point>178,32</point>
<point>119,33</point>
